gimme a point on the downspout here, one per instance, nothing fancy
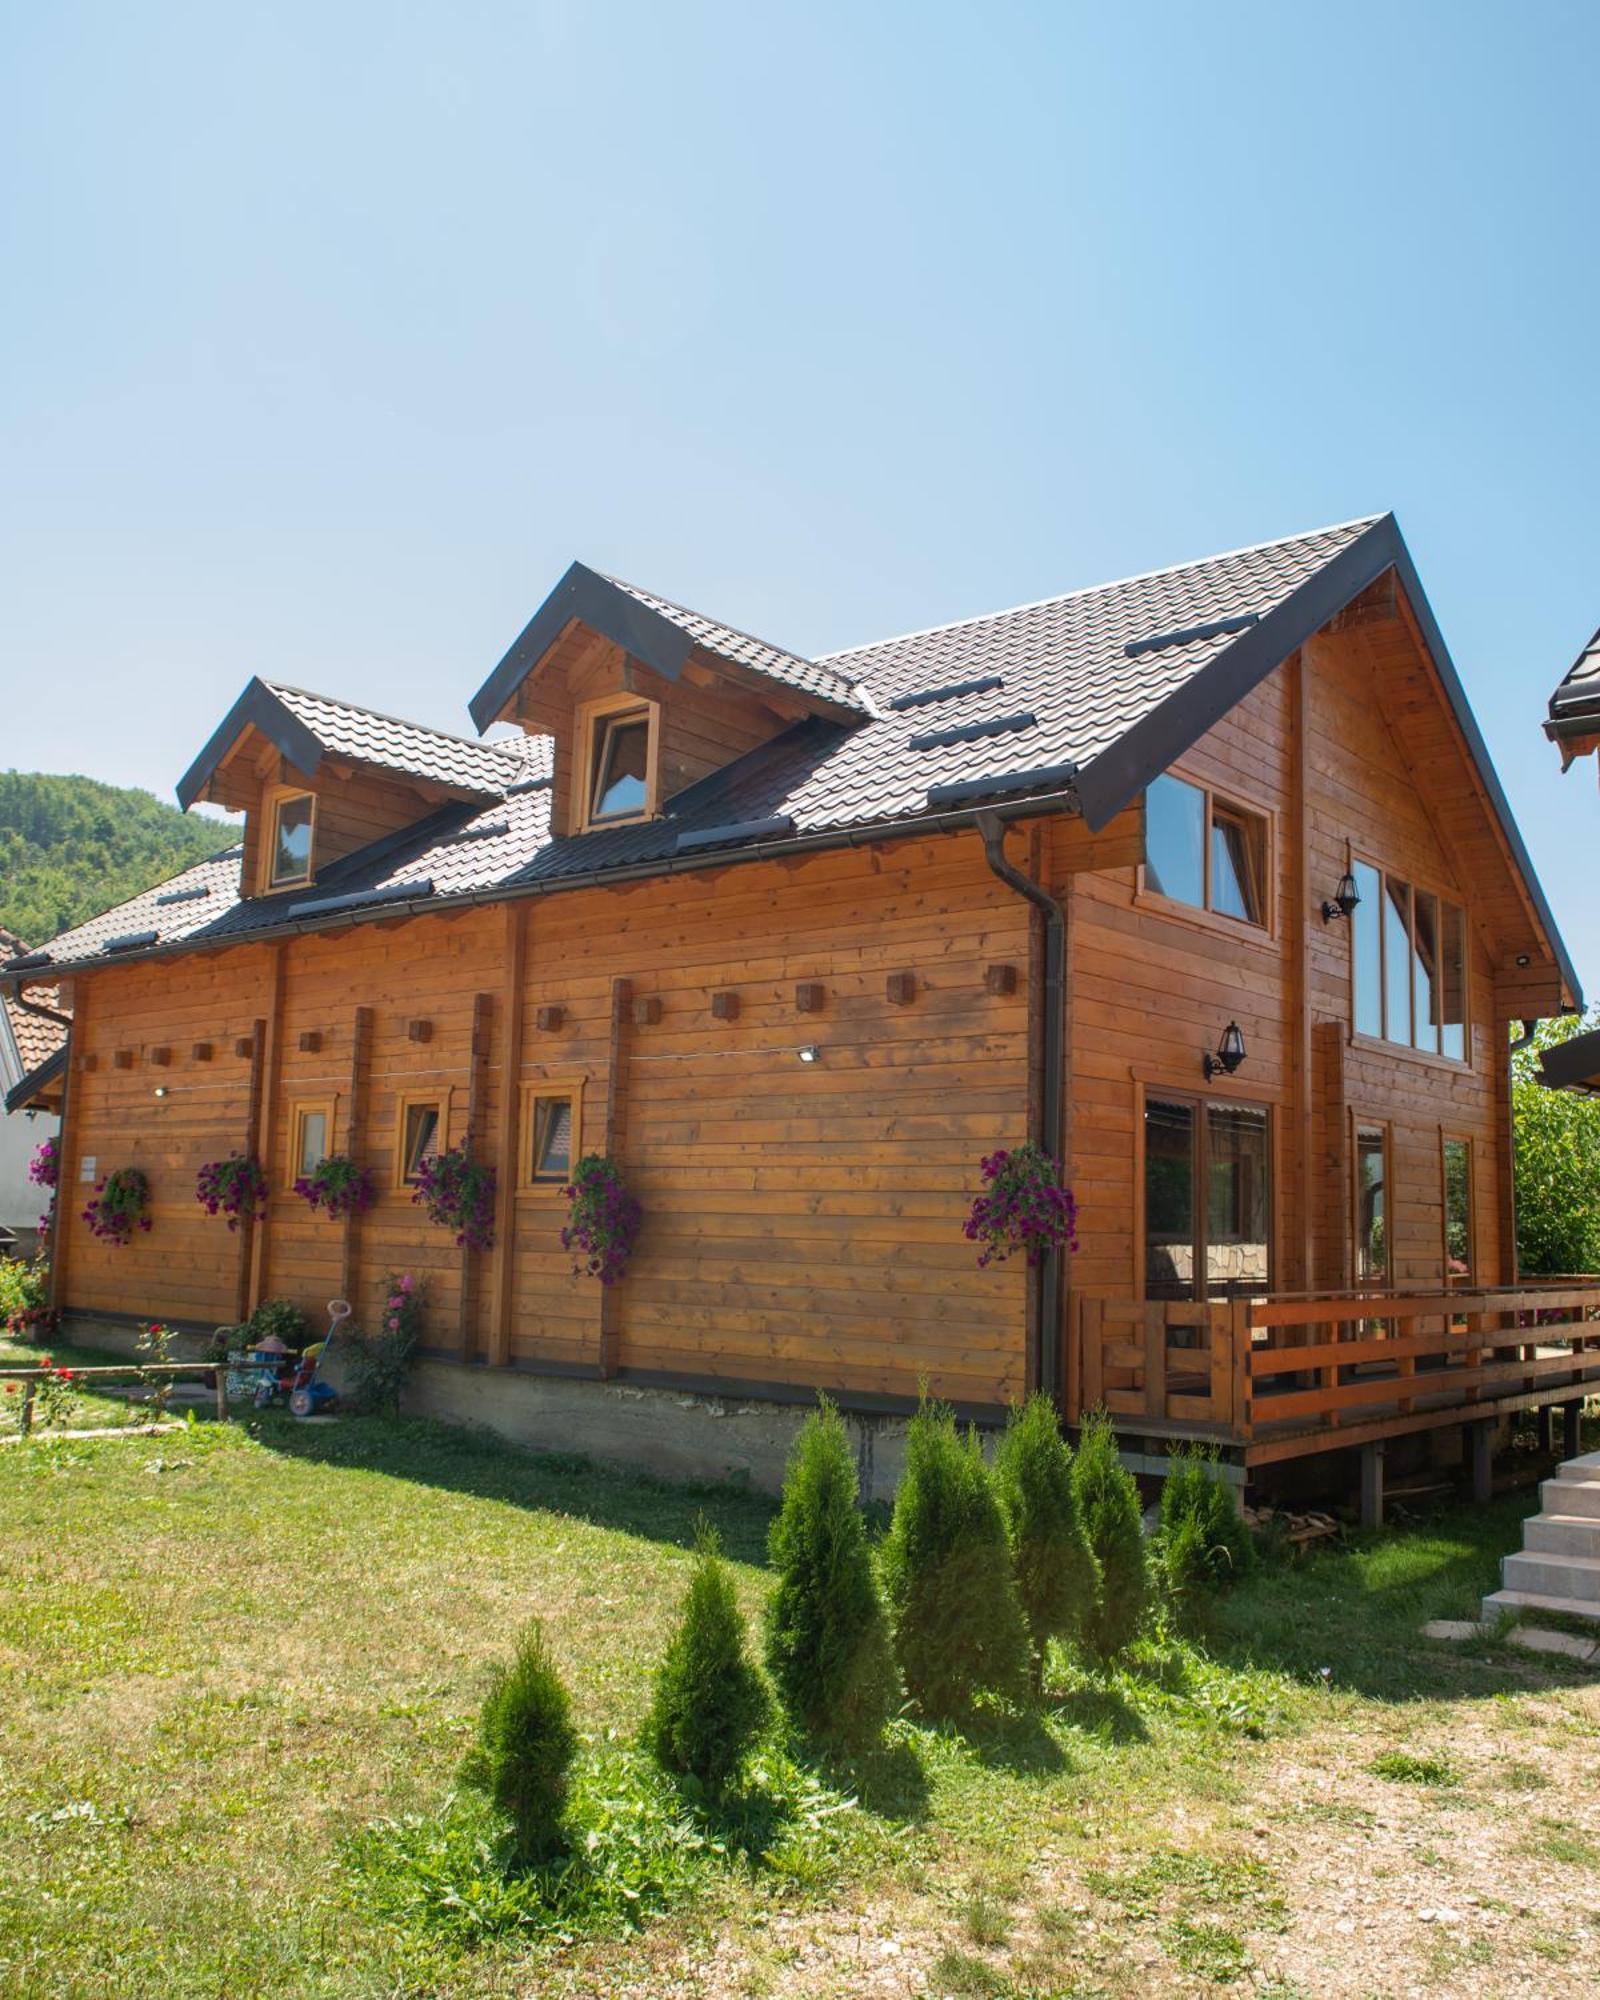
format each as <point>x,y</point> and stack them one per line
<point>1053,1064</point>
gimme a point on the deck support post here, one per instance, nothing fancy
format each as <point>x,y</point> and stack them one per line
<point>1480,1440</point>
<point>1372,1486</point>
<point>1571,1440</point>
<point>1546,1434</point>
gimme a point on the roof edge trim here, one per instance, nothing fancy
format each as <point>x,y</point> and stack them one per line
<point>257,708</point>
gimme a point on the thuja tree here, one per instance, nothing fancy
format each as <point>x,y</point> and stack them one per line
<point>710,1703</point>
<point>1113,1522</point>
<point>526,1743</point>
<point>1205,1544</point>
<point>1558,1161</point>
<point>827,1638</point>
<point>957,1623</point>
<point>1056,1571</point>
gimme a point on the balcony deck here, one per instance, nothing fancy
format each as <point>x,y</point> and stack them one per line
<point>1277,1378</point>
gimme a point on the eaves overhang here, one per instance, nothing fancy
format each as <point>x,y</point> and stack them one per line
<point>260,709</point>
<point>1573,1064</point>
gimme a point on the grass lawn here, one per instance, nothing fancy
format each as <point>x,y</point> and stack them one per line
<point>230,1651</point>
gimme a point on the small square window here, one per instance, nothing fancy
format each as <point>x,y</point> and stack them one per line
<point>1204,851</point>
<point>421,1136</point>
<point>551,1127</point>
<point>289,840</point>
<point>620,778</point>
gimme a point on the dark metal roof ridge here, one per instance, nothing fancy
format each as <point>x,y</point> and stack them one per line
<point>1121,772</point>
<point>258,707</point>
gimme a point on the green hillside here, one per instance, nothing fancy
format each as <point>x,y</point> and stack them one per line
<point>71,847</point>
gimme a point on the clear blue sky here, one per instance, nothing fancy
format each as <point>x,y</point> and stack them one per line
<point>329,334</point>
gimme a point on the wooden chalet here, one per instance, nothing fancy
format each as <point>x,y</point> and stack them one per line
<point>1203,879</point>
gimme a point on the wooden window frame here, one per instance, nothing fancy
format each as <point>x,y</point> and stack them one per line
<point>408,1102</point>
<point>302,1108</point>
<point>1441,897</point>
<point>1361,1121</point>
<point>1177,1093</point>
<point>531,1090</point>
<point>589,720</point>
<point>1447,1139</point>
<point>272,800</point>
<point>1243,928</point>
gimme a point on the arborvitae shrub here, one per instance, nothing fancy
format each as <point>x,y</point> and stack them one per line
<point>525,1746</point>
<point>1055,1572</point>
<point>1108,1505</point>
<point>827,1638</point>
<point>710,1702</point>
<point>947,1570</point>
<point>1205,1544</point>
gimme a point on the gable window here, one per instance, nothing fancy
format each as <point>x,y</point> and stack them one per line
<point>1410,976</point>
<point>614,761</point>
<point>1207,1199</point>
<point>313,1137</point>
<point>420,1135</point>
<point>551,1118</point>
<point>1205,851</point>
<point>291,822</point>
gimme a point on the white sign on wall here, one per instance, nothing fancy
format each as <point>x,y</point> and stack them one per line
<point>86,1167</point>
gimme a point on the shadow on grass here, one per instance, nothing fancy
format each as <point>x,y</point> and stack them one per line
<point>1099,1709</point>
<point>488,1467</point>
<point>888,1778</point>
<point>1016,1741</point>
<point>1351,1617</point>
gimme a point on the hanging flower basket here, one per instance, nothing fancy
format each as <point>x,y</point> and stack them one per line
<point>235,1187</point>
<point>119,1205</point>
<point>44,1169</point>
<point>337,1186</point>
<point>1023,1207</point>
<point>602,1220</point>
<point>458,1193</point>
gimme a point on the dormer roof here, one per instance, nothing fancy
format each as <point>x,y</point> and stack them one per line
<point>1575,705</point>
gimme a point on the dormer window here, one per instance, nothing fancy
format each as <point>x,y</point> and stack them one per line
<point>617,751</point>
<point>291,826</point>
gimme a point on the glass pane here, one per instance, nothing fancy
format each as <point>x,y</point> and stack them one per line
<point>1368,923</point>
<point>1453,981</point>
<point>1169,1215</point>
<point>1372,1254</point>
<point>1175,841</point>
<point>1425,970</point>
<point>313,1139</point>
<point>1238,1200</point>
<point>1457,1209</point>
<point>1237,846</point>
<point>422,1136</point>
<point>552,1138</point>
<point>291,839</point>
<point>1397,960</point>
<point>620,768</point>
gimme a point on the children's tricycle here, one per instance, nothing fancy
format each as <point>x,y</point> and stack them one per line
<point>309,1395</point>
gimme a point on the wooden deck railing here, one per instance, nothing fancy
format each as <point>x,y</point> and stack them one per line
<point>1300,1367</point>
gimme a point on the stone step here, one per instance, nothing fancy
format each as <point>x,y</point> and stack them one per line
<point>1553,1576</point>
<point>1580,1471</point>
<point>1570,1496</point>
<point>1552,1534</point>
<point>1523,1601</point>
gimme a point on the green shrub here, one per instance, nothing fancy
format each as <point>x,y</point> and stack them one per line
<point>1108,1505</point>
<point>953,1605</point>
<point>1204,1543</point>
<point>710,1703</point>
<point>827,1637</point>
<point>525,1747</point>
<point>1055,1572</point>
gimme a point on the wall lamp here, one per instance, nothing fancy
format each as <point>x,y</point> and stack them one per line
<point>1345,900</point>
<point>1230,1053</point>
<point>810,1053</point>
<point>161,1090</point>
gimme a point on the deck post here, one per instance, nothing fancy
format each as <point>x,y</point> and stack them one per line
<point>1480,1439</point>
<point>1372,1485</point>
<point>1546,1435</point>
<point>1571,1440</point>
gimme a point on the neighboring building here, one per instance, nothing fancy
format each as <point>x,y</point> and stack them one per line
<point>33,1043</point>
<point>797,942</point>
<point>1574,727</point>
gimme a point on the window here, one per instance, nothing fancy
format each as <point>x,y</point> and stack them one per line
<point>313,1136</point>
<point>291,819</point>
<point>421,1135</point>
<point>1205,852</point>
<point>1372,1243</point>
<point>1215,1246</point>
<point>1410,950</point>
<point>551,1122</point>
<point>1459,1259</point>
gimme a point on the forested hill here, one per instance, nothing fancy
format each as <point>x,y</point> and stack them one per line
<point>71,847</point>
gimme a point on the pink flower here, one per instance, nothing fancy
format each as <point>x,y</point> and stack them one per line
<point>394,1323</point>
